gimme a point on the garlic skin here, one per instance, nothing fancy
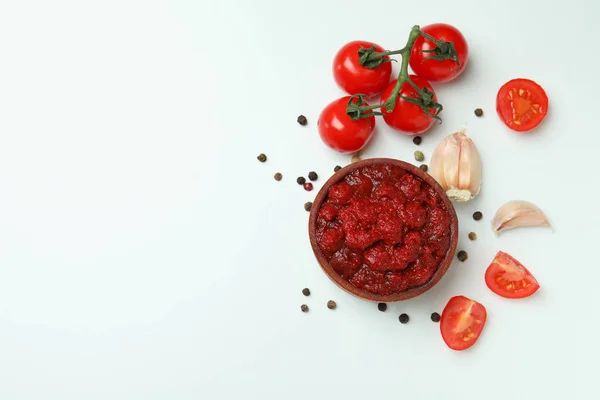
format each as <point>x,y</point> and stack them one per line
<point>518,213</point>
<point>456,166</point>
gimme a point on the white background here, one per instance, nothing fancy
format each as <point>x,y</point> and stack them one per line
<point>146,254</point>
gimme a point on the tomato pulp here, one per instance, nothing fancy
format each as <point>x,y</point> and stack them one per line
<point>383,229</point>
<point>522,104</point>
<point>356,79</point>
<point>508,278</point>
<point>462,322</point>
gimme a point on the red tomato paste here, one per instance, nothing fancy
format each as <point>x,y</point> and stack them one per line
<point>383,229</point>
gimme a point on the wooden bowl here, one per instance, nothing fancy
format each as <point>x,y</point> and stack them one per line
<point>346,285</point>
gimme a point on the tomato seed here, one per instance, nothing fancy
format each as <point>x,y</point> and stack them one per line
<point>262,157</point>
<point>337,168</point>
<point>301,180</point>
<point>435,317</point>
<point>312,175</point>
<point>306,291</point>
<point>331,305</point>
<point>462,255</point>
<point>382,306</point>
<point>419,156</point>
<point>478,112</point>
<point>278,176</point>
<point>424,167</point>
<point>403,318</point>
<point>472,235</point>
<point>308,206</point>
<point>304,308</point>
<point>302,120</point>
<point>417,140</point>
<point>477,215</point>
<point>308,186</point>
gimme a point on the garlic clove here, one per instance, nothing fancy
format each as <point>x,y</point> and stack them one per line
<point>451,162</point>
<point>518,213</point>
<point>436,165</point>
<point>470,166</point>
<point>456,166</point>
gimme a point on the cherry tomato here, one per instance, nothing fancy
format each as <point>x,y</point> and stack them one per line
<point>462,322</point>
<point>407,117</point>
<point>342,133</point>
<point>434,70</point>
<point>353,77</point>
<point>522,104</point>
<point>509,278</point>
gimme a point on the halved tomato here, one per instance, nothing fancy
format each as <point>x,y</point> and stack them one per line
<point>462,322</point>
<point>522,104</point>
<point>509,278</point>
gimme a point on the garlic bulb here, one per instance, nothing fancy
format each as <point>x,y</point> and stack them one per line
<point>518,213</point>
<point>456,165</point>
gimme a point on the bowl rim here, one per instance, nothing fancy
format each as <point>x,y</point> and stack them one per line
<point>346,285</point>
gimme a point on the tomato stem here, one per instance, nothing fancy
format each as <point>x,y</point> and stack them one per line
<point>403,75</point>
<point>387,53</point>
<point>432,39</point>
<point>373,107</point>
<point>369,58</point>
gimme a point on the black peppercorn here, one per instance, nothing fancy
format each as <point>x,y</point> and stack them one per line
<point>417,140</point>
<point>302,120</point>
<point>435,317</point>
<point>304,308</point>
<point>301,180</point>
<point>308,206</point>
<point>478,112</point>
<point>424,167</point>
<point>312,175</point>
<point>462,255</point>
<point>278,176</point>
<point>306,291</point>
<point>403,318</point>
<point>477,215</point>
<point>337,168</point>
<point>382,306</point>
<point>261,157</point>
<point>331,305</point>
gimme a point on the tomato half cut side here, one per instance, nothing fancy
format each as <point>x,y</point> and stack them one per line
<point>522,104</point>
<point>462,322</point>
<point>508,278</point>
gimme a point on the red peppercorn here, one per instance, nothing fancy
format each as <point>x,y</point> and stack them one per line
<point>308,186</point>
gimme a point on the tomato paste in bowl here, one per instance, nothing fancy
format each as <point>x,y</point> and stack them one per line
<point>383,230</point>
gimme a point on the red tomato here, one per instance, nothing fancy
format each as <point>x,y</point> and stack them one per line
<point>353,77</point>
<point>434,70</point>
<point>462,322</point>
<point>342,133</point>
<point>407,117</point>
<point>522,104</point>
<point>509,278</point>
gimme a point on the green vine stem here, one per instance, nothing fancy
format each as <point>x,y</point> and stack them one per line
<point>369,58</point>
